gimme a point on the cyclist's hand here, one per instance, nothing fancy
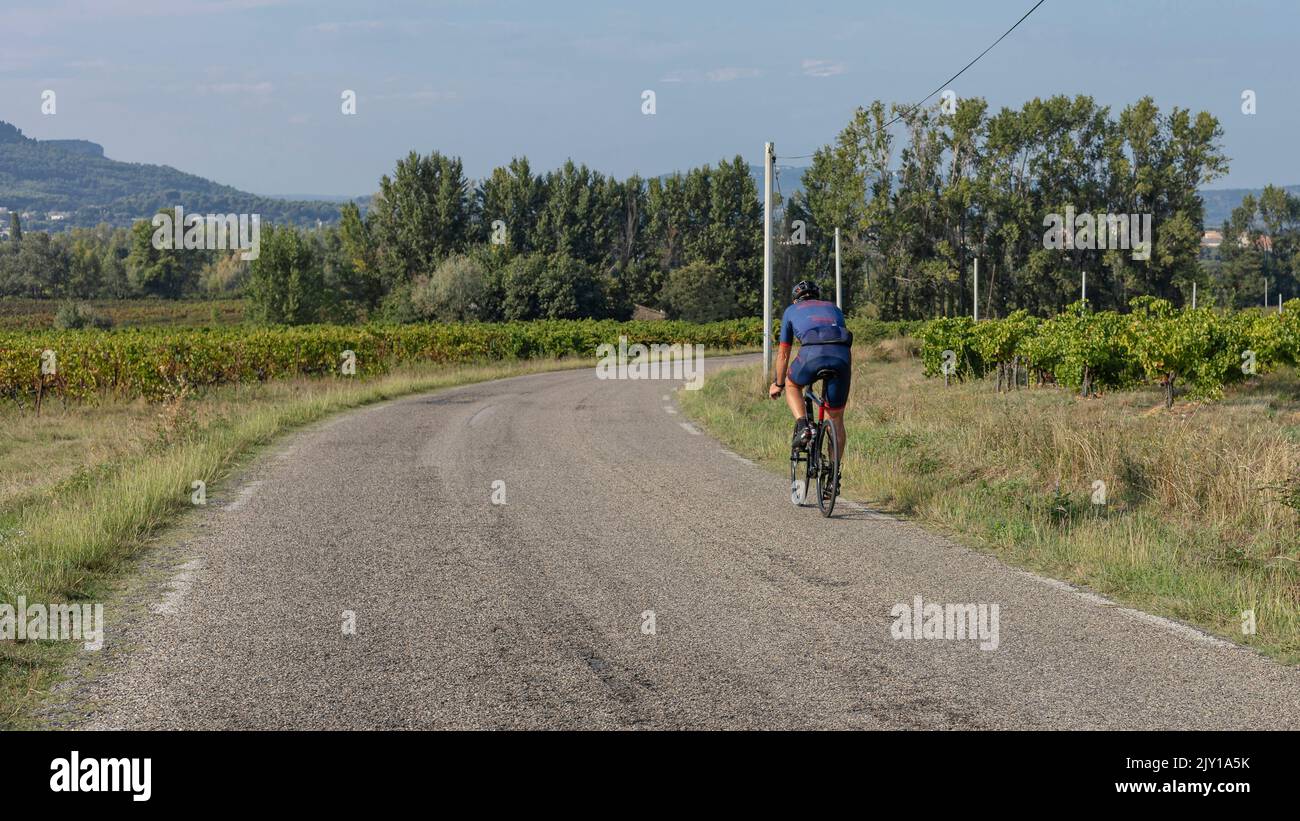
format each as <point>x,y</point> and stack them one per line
<point>774,391</point>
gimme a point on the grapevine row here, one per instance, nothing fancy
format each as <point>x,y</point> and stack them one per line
<point>1200,349</point>
<point>158,363</point>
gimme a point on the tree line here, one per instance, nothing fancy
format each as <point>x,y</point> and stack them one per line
<point>568,243</point>
<point>963,182</point>
<point>916,203</point>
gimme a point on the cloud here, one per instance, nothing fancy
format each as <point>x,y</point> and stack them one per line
<point>726,75</point>
<point>822,68</point>
<point>631,47</point>
<point>717,75</point>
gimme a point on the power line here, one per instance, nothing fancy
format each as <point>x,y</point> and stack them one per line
<point>942,85</point>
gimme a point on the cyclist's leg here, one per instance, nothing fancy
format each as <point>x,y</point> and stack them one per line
<point>837,420</point>
<point>837,395</point>
<point>794,398</point>
<point>795,380</point>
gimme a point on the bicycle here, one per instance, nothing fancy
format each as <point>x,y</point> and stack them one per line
<point>821,459</point>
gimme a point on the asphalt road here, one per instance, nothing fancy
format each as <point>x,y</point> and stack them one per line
<point>534,613</point>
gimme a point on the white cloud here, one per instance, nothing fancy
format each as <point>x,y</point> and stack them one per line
<point>726,75</point>
<point>822,68</point>
<point>717,75</point>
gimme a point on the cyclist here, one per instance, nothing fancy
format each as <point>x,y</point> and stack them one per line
<point>824,344</point>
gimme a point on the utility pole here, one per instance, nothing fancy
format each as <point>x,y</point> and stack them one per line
<point>839,293</point>
<point>1083,278</point>
<point>1193,296</point>
<point>1265,292</point>
<point>977,289</point>
<point>769,155</point>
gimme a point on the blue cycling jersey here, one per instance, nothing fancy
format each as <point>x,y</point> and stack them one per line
<point>814,322</point>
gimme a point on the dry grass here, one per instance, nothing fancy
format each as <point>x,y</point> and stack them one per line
<point>1192,526</point>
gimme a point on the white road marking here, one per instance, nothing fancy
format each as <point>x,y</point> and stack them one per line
<point>474,420</point>
<point>871,514</point>
<point>1066,587</point>
<point>244,495</point>
<point>735,456</point>
<point>689,428</point>
<point>180,585</point>
<point>670,409</point>
<point>1177,628</point>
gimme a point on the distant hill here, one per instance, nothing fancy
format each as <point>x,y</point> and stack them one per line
<point>1220,203</point>
<point>75,177</point>
<point>789,179</point>
<point>361,201</point>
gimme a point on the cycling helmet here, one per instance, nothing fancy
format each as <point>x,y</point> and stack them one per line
<point>805,289</point>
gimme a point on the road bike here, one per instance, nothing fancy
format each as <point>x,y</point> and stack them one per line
<point>819,460</point>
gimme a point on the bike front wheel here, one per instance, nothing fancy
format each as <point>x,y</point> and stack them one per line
<point>801,476</point>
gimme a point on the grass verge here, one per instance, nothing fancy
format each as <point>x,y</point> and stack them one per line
<point>1196,523</point>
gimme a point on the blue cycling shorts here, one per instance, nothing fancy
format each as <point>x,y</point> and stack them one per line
<point>813,358</point>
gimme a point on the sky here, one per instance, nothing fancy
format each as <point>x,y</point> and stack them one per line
<point>249,92</point>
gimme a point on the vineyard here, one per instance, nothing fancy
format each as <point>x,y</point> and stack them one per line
<point>160,363</point>
<point>1198,349</point>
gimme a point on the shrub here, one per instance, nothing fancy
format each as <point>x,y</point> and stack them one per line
<point>458,290</point>
<point>74,317</point>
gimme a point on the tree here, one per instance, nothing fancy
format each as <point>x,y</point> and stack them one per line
<point>39,269</point>
<point>552,286</point>
<point>422,214</point>
<point>356,260</point>
<point>285,283</point>
<point>164,272</point>
<point>84,274</point>
<point>514,196</point>
<point>699,292</point>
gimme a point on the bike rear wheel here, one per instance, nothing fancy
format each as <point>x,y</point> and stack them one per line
<point>827,448</point>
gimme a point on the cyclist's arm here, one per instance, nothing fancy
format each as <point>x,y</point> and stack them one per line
<point>783,351</point>
<point>782,364</point>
